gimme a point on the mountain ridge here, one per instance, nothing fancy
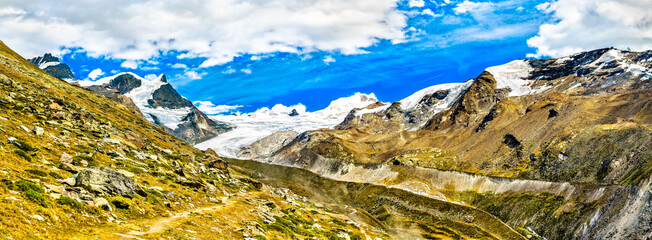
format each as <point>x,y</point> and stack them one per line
<point>553,120</point>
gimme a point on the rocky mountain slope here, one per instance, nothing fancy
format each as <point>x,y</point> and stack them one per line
<point>561,146</point>
<point>75,165</point>
<point>156,99</point>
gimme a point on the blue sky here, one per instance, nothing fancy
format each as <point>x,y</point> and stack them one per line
<point>322,51</point>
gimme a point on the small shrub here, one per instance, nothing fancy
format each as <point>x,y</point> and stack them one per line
<point>136,170</point>
<point>36,197</point>
<point>260,237</point>
<point>120,202</point>
<point>37,172</point>
<point>77,160</point>
<point>74,204</point>
<point>22,145</point>
<point>24,186</point>
<point>23,154</point>
<point>354,236</point>
<point>8,183</point>
<point>55,175</point>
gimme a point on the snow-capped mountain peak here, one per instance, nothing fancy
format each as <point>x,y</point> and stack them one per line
<point>52,65</point>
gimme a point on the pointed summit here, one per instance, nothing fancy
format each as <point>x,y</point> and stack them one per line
<point>162,78</point>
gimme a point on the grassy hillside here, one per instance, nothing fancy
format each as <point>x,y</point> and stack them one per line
<point>51,130</point>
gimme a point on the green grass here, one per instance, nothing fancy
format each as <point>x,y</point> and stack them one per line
<point>23,154</point>
<point>72,203</point>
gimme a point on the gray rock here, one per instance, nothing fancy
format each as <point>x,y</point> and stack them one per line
<point>39,131</point>
<point>70,168</point>
<point>104,181</point>
<point>70,181</point>
<point>102,203</point>
<point>65,158</point>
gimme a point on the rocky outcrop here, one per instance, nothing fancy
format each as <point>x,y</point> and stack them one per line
<point>53,66</point>
<point>104,181</point>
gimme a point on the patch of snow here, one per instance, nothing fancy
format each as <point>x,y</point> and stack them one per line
<point>251,127</point>
<point>170,118</point>
<point>636,69</point>
<point>48,64</point>
<point>456,90</point>
<point>608,56</point>
<point>564,59</point>
<point>372,110</point>
<point>513,75</point>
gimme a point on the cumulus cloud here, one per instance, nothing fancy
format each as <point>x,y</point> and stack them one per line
<point>211,109</point>
<point>151,76</point>
<point>129,64</point>
<point>430,13</point>
<point>217,30</point>
<point>328,60</point>
<point>179,65</point>
<point>585,25</point>
<point>416,3</point>
<point>470,7</point>
<point>193,75</point>
<point>95,74</point>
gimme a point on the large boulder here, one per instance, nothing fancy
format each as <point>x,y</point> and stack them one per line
<point>104,181</point>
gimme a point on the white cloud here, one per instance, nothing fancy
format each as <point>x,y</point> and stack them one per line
<point>229,71</point>
<point>416,3</point>
<point>129,64</point>
<point>193,75</point>
<point>429,12</point>
<point>585,25</point>
<point>246,71</point>
<point>211,109</point>
<point>179,65</point>
<point>151,76</point>
<point>328,60</point>
<point>95,74</point>
<point>471,7</point>
<point>140,30</point>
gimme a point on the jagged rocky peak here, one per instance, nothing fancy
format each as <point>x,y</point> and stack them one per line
<point>167,97</point>
<point>51,64</point>
<point>125,82</point>
<point>46,58</point>
<point>161,104</point>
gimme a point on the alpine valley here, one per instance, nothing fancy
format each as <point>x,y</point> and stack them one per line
<point>531,149</point>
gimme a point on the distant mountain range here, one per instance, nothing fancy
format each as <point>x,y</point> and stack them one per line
<point>156,99</point>
<point>577,129</point>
